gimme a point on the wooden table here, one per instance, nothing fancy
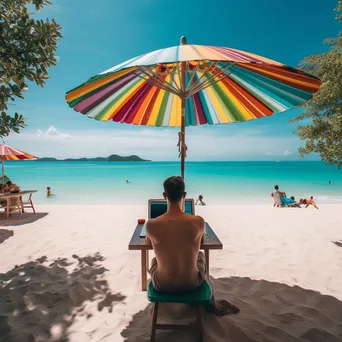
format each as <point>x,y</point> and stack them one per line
<point>211,241</point>
<point>7,196</point>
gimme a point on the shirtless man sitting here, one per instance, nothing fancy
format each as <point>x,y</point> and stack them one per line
<point>176,237</point>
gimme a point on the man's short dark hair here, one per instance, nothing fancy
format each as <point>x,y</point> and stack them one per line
<point>276,187</point>
<point>174,188</point>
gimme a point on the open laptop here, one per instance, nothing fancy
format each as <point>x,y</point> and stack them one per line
<point>157,207</point>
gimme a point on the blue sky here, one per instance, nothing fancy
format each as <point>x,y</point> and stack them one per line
<point>101,34</point>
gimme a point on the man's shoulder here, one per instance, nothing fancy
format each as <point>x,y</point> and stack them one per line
<point>196,220</point>
<point>156,222</point>
<point>152,222</point>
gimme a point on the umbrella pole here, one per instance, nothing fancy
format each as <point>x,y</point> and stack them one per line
<point>182,145</point>
<point>3,172</point>
<point>182,139</point>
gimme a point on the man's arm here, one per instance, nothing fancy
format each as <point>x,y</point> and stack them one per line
<point>147,238</point>
<point>201,224</point>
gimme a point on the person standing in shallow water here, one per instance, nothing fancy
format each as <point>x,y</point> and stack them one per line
<point>179,265</point>
<point>199,200</point>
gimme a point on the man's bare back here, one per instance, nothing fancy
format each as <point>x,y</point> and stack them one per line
<point>179,266</point>
<point>176,239</point>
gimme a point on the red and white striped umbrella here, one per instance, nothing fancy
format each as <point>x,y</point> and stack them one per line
<point>10,153</point>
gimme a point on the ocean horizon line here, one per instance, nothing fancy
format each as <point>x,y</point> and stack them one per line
<point>67,159</point>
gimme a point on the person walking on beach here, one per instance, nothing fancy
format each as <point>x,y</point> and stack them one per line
<point>276,194</point>
<point>176,237</point>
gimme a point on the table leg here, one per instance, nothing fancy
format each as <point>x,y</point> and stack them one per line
<point>206,253</point>
<point>7,208</point>
<point>144,261</point>
<point>21,204</point>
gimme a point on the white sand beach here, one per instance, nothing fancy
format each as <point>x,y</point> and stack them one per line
<point>67,275</point>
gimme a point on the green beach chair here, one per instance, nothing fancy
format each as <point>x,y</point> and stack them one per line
<point>200,297</point>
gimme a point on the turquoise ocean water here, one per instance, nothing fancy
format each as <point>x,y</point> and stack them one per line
<point>218,182</point>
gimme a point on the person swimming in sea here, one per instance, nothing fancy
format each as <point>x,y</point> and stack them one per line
<point>48,192</point>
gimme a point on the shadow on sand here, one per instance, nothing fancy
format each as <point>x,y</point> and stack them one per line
<point>270,311</point>
<point>5,234</point>
<point>337,243</point>
<point>39,300</point>
<point>15,219</point>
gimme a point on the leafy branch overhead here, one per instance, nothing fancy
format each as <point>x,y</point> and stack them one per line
<point>27,50</point>
<point>323,133</point>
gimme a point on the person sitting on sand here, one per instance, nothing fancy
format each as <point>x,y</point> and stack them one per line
<point>286,201</point>
<point>176,237</point>
<point>308,202</point>
<point>293,203</point>
<point>10,187</point>
<point>276,194</point>
<point>199,201</point>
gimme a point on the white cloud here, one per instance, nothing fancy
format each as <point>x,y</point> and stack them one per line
<point>285,153</point>
<point>52,132</point>
<point>204,143</point>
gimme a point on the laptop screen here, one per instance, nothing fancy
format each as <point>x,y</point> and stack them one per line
<point>159,207</point>
<point>188,207</point>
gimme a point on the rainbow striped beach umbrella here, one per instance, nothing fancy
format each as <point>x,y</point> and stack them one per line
<point>189,85</point>
<point>10,153</point>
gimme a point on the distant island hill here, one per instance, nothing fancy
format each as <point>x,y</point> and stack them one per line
<point>111,158</point>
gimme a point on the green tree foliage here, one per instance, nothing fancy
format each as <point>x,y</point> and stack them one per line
<point>323,133</point>
<point>27,50</point>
